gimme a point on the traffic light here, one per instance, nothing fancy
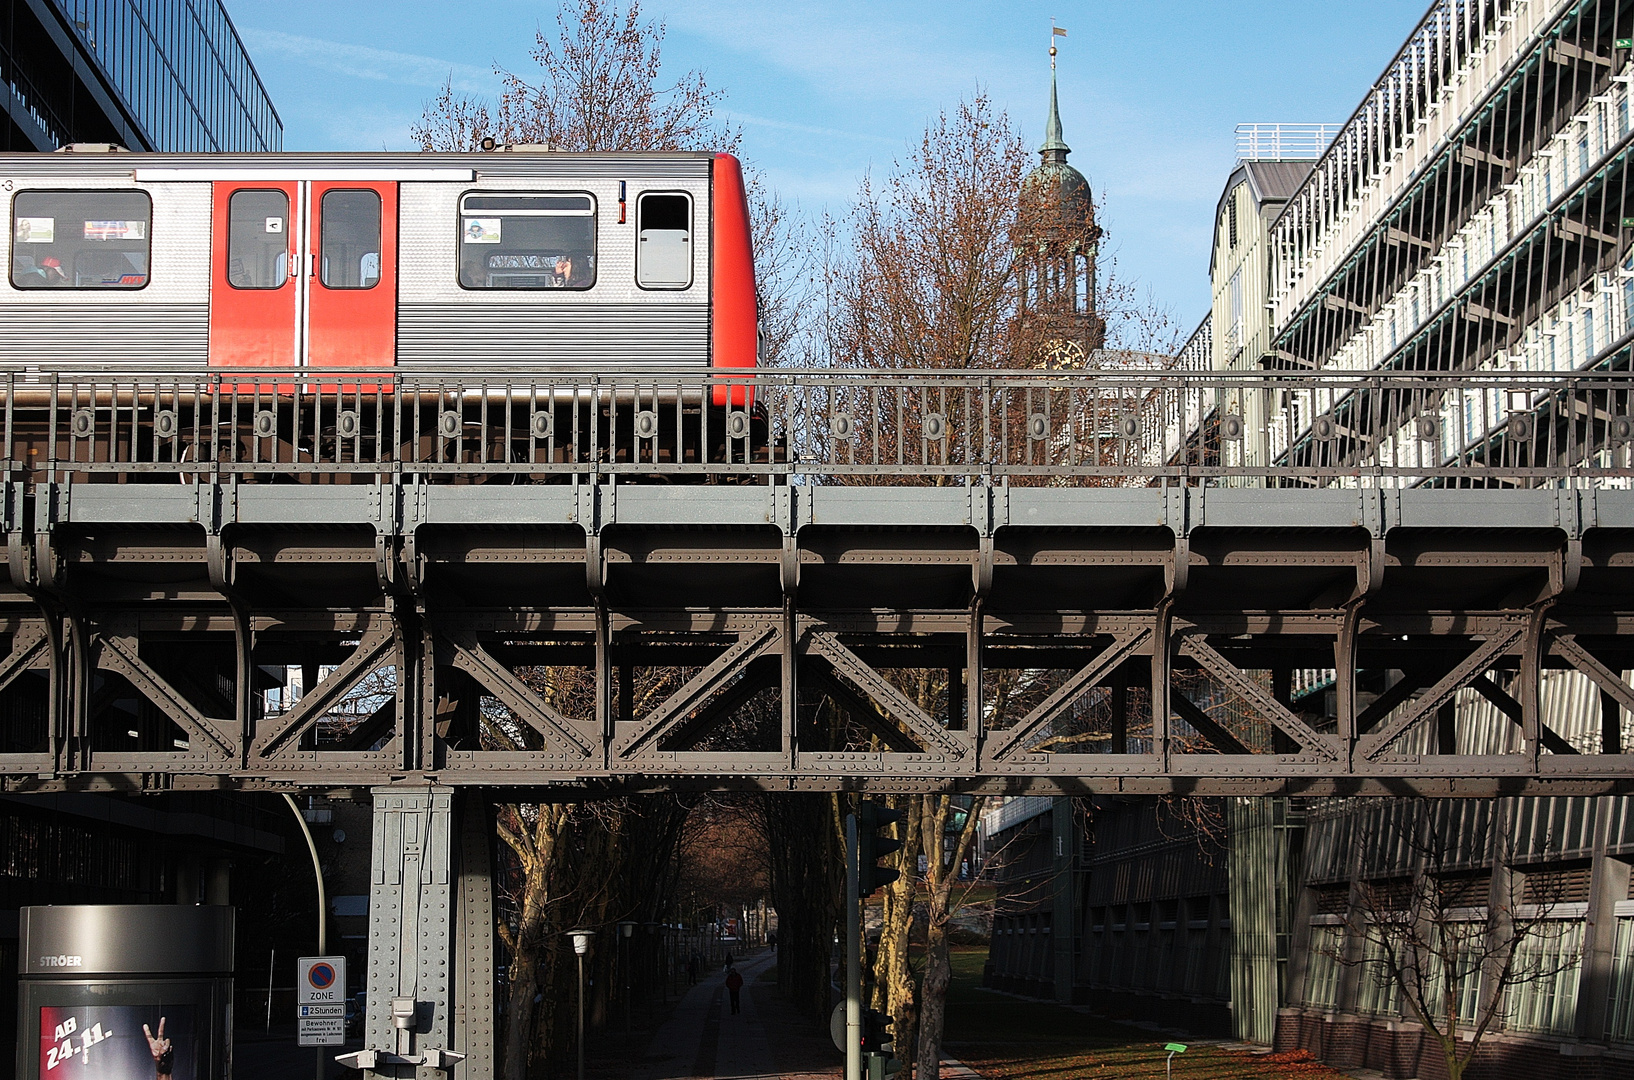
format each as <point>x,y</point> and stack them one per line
<point>872,846</point>
<point>878,1045</point>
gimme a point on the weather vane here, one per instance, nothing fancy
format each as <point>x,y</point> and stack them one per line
<point>1055,32</point>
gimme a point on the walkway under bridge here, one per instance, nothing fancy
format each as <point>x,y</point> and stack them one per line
<point>1121,581</point>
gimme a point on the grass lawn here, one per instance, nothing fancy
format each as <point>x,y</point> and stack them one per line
<point>1007,1038</point>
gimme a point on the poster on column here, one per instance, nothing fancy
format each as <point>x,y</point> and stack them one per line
<point>320,1000</point>
<point>118,1042</point>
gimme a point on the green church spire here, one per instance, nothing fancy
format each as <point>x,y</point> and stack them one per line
<point>1054,149</point>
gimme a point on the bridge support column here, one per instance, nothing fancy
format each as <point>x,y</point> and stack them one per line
<point>430,978</point>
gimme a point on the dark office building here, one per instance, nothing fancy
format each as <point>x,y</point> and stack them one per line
<point>167,75</point>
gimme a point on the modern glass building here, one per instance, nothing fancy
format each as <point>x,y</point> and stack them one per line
<point>166,75</point>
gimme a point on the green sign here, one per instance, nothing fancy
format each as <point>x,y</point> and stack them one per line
<point>1176,1048</point>
<point>1628,223</point>
<point>1625,43</point>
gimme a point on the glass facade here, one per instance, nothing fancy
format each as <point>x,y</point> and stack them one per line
<point>169,75</point>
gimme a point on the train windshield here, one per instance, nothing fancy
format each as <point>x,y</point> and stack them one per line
<point>80,239</point>
<point>527,240</point>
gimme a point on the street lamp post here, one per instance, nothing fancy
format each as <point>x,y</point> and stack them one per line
<point>581,946</point>
<point>626,927</point>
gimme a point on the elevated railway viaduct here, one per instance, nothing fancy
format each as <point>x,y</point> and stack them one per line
<point>351,585</point>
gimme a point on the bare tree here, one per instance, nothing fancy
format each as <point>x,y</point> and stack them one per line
<point>1136,320</point>
<point>922,273</point>
<point>947,843</point>
<point>783,287</point>
<point>534,832</point>
<point>597,89</point>
<point>1447,925</point>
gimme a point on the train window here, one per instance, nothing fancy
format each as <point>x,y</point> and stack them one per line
<point>663,257</point>
<point>350,239</point>
<point>257,239</point>
<point>527,240</point>
<point>80,239</point>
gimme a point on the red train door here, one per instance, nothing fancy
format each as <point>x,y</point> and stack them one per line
<point>255,304</point>
<point>304,273</point>
<point>351,317</point>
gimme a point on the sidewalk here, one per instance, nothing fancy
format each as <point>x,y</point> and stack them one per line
<point>702,1040</point>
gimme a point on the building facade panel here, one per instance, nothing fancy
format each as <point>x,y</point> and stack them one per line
<point>167,75</point>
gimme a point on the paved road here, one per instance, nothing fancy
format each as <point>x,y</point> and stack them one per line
<point>702,1040</point>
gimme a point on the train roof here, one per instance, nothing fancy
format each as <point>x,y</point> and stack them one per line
<point>401,165</point>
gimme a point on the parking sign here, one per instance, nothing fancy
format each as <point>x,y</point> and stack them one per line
<point>320,1000</point>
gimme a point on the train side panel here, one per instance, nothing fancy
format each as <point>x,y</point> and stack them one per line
<point>164,321</point>
<point>608,320</point>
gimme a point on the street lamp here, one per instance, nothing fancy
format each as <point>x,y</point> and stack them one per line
<point>626,927</point>
<point>581,946</point>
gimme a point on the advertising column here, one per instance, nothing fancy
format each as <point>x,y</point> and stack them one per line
<point>125,992</point>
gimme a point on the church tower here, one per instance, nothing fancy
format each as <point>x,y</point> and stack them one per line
<point>1060,243</point>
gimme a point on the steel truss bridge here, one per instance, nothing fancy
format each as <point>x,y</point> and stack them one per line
<point>789,546</point>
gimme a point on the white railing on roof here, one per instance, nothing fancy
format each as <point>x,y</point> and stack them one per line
<point>1283,142</point>
<point>1456,55</point>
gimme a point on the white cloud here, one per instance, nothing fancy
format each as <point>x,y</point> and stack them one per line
<point>363,62</point>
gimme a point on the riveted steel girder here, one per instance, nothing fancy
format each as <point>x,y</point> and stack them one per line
<point>594,637</point>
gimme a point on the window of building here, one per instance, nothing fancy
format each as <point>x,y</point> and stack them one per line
<point>1620,1013</point>
<point>349,239</point>
<point>1234,291</point>
<point>1323,967</point>
<point>1378,992</point>
<point>257,239</point>
<point>1546,962</point>
<point>80,239</point>
<point>663,258</point>
<point>527,240</point>
<point>1231,219</point>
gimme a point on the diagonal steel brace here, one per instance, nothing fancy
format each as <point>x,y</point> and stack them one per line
<point>28,646</point>
<point>850,700</point>
<point>1566,647</point>
<point>1506,704</point>
<point>1208,727</point>
<point>1311,740</point>
<point>1442,692</point>
<point>114,655</point>
<point>376,643</point>
<point>675,710</point>
<point>1001,744</point>
<point>849,666</point>
<point>470,657</point>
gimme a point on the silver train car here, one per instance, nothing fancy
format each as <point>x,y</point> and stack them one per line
<point>547,261</point>
<point>249,274</point>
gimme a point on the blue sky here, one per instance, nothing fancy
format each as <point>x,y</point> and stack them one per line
<point>1150,91</point>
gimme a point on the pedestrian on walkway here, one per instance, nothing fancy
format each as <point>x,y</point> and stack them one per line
<point>734,985</point>
<point>692,970</point>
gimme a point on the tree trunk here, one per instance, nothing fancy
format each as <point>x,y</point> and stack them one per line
<point>933,988</point>
<point>536,850</point>
<point>940,876</point>
<point>893,977</point>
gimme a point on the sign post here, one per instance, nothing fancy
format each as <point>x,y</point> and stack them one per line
<point>320,1002</point>
<point>1168,1062</point>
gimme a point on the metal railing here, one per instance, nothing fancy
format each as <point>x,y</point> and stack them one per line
<point>1090,427</point>
<point>1283,142</point>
